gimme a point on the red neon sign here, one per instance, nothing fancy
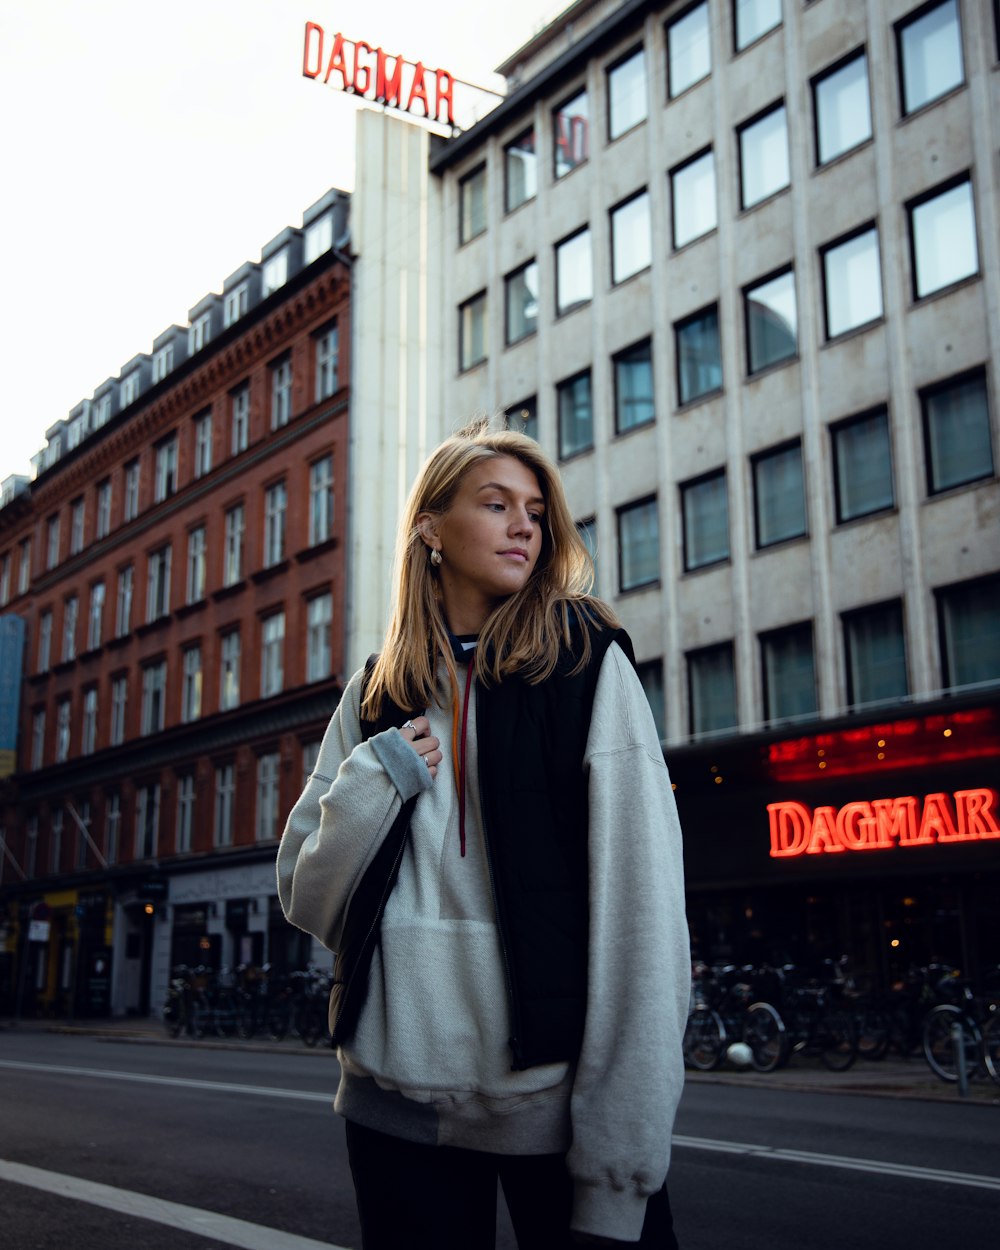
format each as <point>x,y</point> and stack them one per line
<point>964,816</point>
<point>357,67</point>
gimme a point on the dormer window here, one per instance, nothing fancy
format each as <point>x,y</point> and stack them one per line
<point>199,333</point>
<point>275,272</point>
<point>319,238</point>
<point>163,362</point>
<point>130,388</point>
<point>102,411</point>
<point>237,303</point>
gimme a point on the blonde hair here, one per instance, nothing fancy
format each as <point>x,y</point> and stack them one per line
<point>526,632</point>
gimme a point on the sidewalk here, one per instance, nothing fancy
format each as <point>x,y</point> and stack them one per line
<point>889,1078</point>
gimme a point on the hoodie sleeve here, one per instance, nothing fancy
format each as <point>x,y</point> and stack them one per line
<point>630,1074</point>
<point>348,805</point>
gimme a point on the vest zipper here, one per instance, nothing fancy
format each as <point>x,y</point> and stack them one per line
<point>518,1064</point>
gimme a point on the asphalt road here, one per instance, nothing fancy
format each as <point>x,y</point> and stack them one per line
<point>119,1145</point>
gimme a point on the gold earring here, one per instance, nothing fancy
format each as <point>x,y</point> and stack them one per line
<point>435,557</point>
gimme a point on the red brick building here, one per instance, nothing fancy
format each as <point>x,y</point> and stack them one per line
<point>178,565</point>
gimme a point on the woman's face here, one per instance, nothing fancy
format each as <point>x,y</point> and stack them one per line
<point>489,540</point>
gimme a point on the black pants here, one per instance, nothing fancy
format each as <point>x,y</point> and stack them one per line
<point>413,1197</point>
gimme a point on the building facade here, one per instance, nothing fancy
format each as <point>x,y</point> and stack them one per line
<point>735,264</point>
<point>178,564</point>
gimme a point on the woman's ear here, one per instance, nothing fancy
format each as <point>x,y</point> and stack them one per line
<point>427,529</point>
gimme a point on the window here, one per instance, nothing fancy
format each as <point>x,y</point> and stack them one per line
<point>711,689</point>
<point>199,333</point>
<point>163,362</point>
<point>88,736</point>
<point>576,424</point>
<point>472,204</point>
<point>574,272</point>
<point>239,417</point>
<point>112,826</point>
<point>588,533</point>
<point>225,793</point>
<point>310,758</point>
<point>63,711</point>
<point>763,156</point>
<point>52,546</point>
<point>166,469</point>
<point>638,545</point>
<point>930,55</point>
<point>634,387</point>
<point>692,190</point>
<point>627,94</point>
<point>699,355</point>
<point>523,417</point>
<point>571,134</point>
<point>862,465</point>
<point>842,108</point>
<point>520,170</point>
<point>71,611</point>
<point>24,568</point>
<point>131,490</point>
<point>650,676</point>
<point>326,362</point>
<point>779,498</point>
<point>321,501</point>
<point>95,617</point>
<point>184,833</point>
<point>319,238</point>
<point>147,821</point>
<point>852,282</point>
<point>119,704</point>
<point>129,390</point>
<point>55,841</point>
<point>236,304</point>
<point>876,657</point>
<point>689,49</point>
<point>789,673</point>
<point>229,671</point>
<point>957,444</point>
<point>272,654</point>
<point>754,18</point>
<point>235,528</point>
<point>281,392</point>
<point>196,551</point>
<point>943,239</point>
<point>472,331</point>
<point>320,618</point>
<point>5,581</point>
<point>275,272</point>
<point>38,738</point>
<point>154,697</point>
<point>771,321</point>
<point>521,302</point>
<point>969,626</point>
<point>101,410</point>
<point>631,246</point>
<point>103,524</point>
<point>76,521</point>
<point>705,514</point>
<point>44,641</point>
<point>123,602</point>
<point>191,688</point>
<point>158,584</point>
<point>203,444</point>
<point>267,796</point>
<point>275,513</point>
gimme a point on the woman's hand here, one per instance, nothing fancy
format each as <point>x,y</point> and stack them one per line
<point>417,733</point>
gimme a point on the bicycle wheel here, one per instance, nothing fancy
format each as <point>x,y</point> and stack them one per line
<point>991,1045</point>
<point>874,1028</point>
<point>940,1049</point>
<point>838,1038</point>
<point>704,1039</point>
<point>764,1032</point>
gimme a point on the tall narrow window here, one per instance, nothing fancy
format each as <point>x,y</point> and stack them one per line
<point>576,417</point>
<point>789,671</point>
<point>236,304</point>
<point>574,271</point>
<point>326,362</point>
<point>95,617</point>
<point>239,430</point>
<point>321,500</point>
<point>44,641</point>
<point>112,826</point>
<point>969,627</point>
<point>102,527</point>
<point>842,108</point>
<point>699,355</point>
<point>634,387</point>
<point>272,654</point>
<point>638,544</point>
<point>166,469</point>
<point>76,527</point>
<point>705,514</point>
<point>472,331</point>
<point>957,441</point>
<point>235,528</point>
<point>52,544</point>
<point>88,736</point>
<point>930,55</point>
<point>281,392</point>
<point>771,321</point>
<point>763,156</point>
<point>154,697</point>
<point>229,671</point>
<point>203,444</point>
<point>71,613</point>
<point>627,93</point>
<point>158,584</point>
<point>191,688</point>
<point>943,238</point>
<point>184,833</point>
<point>631,244</point>
<point>692,189</point>
<point>852,282</point>
<point>472,204</point>
<point>521,302</point>
<point>712,689</point>
<point>571,134</point>
<point>24,567</point>
<point>123,602</point>
<point>520,170</point>
<point>275,513</point>
<point>275,273</point>
<point>319,238</point>
<point>64,710</point>
<point>320,618</point>
<point>876,655</point>
<point>119,706</point>
<point>689,49</point>
<point>196,563</point>
<point>268,773</point>
<point>38,738</point>
<point>225,795</point>
<point>56,841</point>
<point>862,465</point>
<point>131,510</point>
<point>779,497</point>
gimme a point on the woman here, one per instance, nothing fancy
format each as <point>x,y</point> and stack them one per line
<point>490,844</point>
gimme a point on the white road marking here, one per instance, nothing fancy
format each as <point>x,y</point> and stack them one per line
<point>876,1166</point>
<point>144,1078</point>
<point>143,1206</point>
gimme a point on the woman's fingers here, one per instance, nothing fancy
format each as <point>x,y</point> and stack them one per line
<point>417,733</point>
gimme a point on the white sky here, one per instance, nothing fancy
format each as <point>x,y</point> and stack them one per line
<point>149,150</point>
